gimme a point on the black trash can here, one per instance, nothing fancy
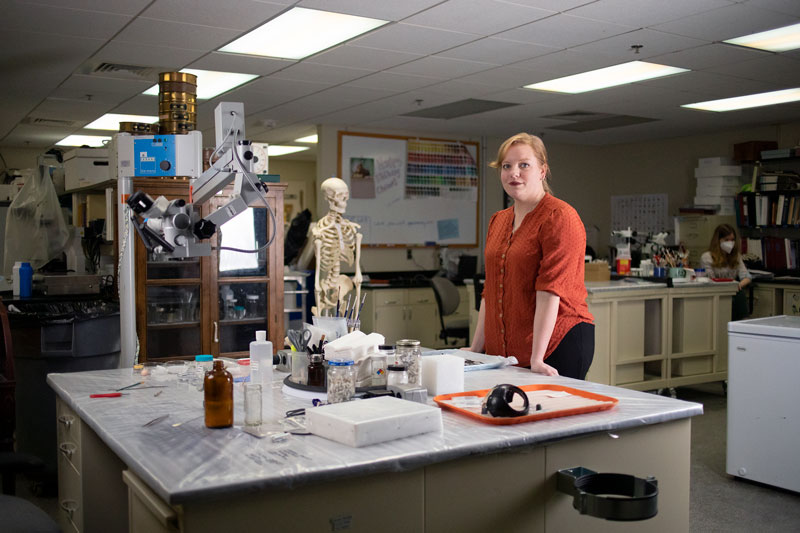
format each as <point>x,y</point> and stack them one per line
<point>61,336</point>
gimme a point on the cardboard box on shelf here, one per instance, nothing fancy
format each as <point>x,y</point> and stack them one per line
<point>598,271</point>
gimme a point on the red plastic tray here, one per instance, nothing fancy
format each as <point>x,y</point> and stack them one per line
<point>599,403</point>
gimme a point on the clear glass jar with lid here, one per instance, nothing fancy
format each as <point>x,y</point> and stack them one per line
<point>341,380</point>
<point>409,354</point>
<point>396,375</point>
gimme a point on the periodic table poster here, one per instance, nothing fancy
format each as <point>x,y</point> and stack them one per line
<point>645,213</point>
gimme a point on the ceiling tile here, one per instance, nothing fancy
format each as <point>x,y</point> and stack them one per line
<point>726,23</point>
<point>709,55</point>
<point>459,89</point>
<point>244,64</point>
<point>394,81</point>
<point>320,73</point>
<point>232,14</point>
<point>644,14</point>
<point>653,43</point>
<point>564,63</point>
<point>710,84</point>
<point>413,39</point>
<point>380,10</point>
<point>141,104</point>
<point>60,20</point>
<point>349,55</point>
<point>97,85</point>
<point>147,55</point>
<point>81,110</point>
<point>774,68</point>
<point>790,7</point>
<point>29,136</point>
<point>508,77</point>
<point>163,33</point>
<point>498,51</point>
<point>564,31</point>
<point>123,7</point>
<point>283,89</point>
<point>436,66</point>
<point>481,17</point>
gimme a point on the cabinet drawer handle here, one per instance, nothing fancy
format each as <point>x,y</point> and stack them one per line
<point>392,302</point>
<point>67,420</point>
<point>216,332</point>
<point>424,301</point>
<point>69,507</point>
<point>68,449</point>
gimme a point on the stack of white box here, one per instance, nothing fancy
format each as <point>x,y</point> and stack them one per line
<point>718,183</point>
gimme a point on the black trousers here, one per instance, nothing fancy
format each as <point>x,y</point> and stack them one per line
<point>573,355</point>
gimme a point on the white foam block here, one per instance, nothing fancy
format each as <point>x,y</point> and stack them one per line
<point>717,170</point>
<point>364,422</point>
<point>443,374</point>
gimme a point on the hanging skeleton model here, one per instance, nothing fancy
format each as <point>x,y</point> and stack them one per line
<point>336,240</point>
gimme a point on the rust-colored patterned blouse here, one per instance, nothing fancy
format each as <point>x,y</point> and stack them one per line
<point>546,253</point>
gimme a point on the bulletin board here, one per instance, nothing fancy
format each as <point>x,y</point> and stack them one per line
<point>645,213</point>
<point>407,191</point>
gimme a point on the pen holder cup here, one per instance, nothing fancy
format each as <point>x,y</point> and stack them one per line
<point>333,326</point>
<point>677,272</point>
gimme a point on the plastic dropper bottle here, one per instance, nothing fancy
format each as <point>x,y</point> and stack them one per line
<point>261,359</point>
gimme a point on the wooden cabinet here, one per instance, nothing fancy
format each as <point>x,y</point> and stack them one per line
<point>211,304</point>
<point>402,314</point>
<point>772,299</point>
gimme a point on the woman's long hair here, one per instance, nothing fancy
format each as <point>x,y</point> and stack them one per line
<point>718,257</point>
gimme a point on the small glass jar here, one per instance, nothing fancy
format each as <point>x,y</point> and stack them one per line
<point>409,354</point>
<point>341,380</point>
<point>251,305</point>
<point>396,375</point>
<point>316,371</point>
<point>203,364</point>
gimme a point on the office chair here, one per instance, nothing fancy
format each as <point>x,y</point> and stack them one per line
<point>18,514</point>
<point>447,299</point>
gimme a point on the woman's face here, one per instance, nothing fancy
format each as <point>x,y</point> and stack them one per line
<point>729,237</point>
<point>522,174</point>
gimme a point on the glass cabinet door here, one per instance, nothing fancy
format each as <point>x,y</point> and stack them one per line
<point>242,282</point>
<point>172,313</point>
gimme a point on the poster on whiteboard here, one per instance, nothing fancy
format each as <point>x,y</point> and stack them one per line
<point>408,191</point>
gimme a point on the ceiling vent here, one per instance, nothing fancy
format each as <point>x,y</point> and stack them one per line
<point>120,70</point>
<point>461,108</point>
<point>51,122</point>
<point>583,121</point>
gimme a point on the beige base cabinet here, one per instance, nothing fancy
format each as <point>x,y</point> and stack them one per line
<point>397,314</point>
<point>90,495</point>
<point>509,491</point>
<point>653,338</point>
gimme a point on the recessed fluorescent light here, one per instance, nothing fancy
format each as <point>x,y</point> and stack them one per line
<point>777,40</point>
<point>301,32</point>
<point>606,77</point>
<point>751,100</point>
<point>312,139</point>
<point>95,141</point>
<point>275,150</point>
<point>211,83</point>
<point>110,121</point>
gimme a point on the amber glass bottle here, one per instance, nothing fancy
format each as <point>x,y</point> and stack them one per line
<point>218,387</point>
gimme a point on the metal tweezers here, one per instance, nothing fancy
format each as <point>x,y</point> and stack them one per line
<point>155,420</point>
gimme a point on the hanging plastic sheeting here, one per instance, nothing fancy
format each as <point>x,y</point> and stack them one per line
<point>36,231</point>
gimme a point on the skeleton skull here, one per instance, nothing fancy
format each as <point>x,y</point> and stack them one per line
<point>336,193</point>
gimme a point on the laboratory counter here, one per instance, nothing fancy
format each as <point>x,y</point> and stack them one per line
<point>172,473</point>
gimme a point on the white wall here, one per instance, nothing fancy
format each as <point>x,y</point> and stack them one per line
<point>584,176</point>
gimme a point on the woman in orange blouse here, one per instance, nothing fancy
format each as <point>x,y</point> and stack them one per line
<point>534,298</point>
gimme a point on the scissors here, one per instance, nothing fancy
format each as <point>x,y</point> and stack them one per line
<point>300,339</point>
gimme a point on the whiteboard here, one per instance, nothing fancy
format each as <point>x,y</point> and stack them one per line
<point>409,191</point>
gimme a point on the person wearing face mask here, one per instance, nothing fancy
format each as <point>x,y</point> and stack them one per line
<point>723,260</point>
<point>533,305</point>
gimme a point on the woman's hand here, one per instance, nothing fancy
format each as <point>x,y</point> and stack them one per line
<point>540,367</point>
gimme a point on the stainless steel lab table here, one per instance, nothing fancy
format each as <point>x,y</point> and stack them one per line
<point>471,476</point>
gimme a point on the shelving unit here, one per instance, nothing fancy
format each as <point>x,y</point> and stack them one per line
<point>181,306</point>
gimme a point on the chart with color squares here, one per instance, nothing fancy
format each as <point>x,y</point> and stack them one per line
<point>433,166</point>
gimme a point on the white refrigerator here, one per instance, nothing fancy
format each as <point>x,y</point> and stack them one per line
<point>764,400</point>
